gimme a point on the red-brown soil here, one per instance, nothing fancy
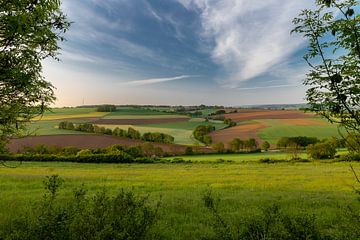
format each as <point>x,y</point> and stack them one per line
<point>253,114</point>
<point>139,121</point>
<point>243,132</point>
<point>89,142</point>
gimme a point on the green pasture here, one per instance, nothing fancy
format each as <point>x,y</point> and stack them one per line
<point>241,157</point>
<point>150,116</point>
<point>69,111</point>
<point>63,113</point>
<point>136,111</point>
<point>181,136</point>
<point>50,128</point>
<point>277,129</point>
<point>323,189</point>
<point>187,125</point>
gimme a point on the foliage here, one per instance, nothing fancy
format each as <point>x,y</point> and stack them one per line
<point>265,146</point>
<point>130,133</point>
<point>333,31</point>
<point>300,141</point>
<point>30,32</point>
<point>271,224</point>
<point>322,150</point>
<point>238,145</point>
<point>352,142</point>
<point>157,137</point>
<point>123,216</point>
<point>219,147</point>
<point>201,133</point>
<point>106,108</point>
<point>189,150</point>
<point>229,122</point>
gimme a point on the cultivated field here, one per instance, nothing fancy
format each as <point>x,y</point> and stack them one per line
<point>322,189</point>
<point>261,124</point>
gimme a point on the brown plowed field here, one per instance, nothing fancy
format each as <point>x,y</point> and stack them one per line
<point>243,132</point>
<point>89,142</point>
<point>139,121</point>
<point>253,114</point>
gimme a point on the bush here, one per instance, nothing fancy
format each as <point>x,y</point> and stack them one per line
<point>123,216</point>
<point>200,133</point>
<point>189,151</point>
<point>303,142</point>
<point>265,146</point>
<point>219,147</point>
<point>270,224</point>
<point>323,150</point>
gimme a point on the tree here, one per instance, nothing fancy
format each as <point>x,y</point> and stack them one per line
<point>265,146</point>
<point>323,150</point>
<point>29,33</point>
<point>333,31</point>
<point>219,147</point>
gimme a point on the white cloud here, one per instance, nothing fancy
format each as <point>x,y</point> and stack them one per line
<point>250,37</point>
<point>156,80</point>
<point>268,87</point>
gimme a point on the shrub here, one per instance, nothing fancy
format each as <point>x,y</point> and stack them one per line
<point>270,224</point>
<point>301,141</point>
<point>200,133</point>
<point>352,142</point>
<point>219,147</point>
<point>322,150</point>
<point>265,146</point>
<point>189,151</point>
<point>123,216</point>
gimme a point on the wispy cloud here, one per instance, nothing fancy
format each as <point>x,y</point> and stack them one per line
<point>156,80</point>
<point>249,38</point>
<point>271,86</point>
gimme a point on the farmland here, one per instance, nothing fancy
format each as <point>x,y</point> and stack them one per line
<point>317,188</point>
<point>260,124</point>
<point>245,183</point>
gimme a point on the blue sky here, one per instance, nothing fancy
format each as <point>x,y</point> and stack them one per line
<point>224,52</point>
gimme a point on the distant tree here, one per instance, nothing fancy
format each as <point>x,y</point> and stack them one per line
<point>133,134</point>
<point>201,133</point>
<point>106,108</point>
<point>322,150</point>
<point>234,145</point>
<point>219,147</point>
<point>29,33</point>
<point>220,112</point>
<point>189,150</point>
<point>333,32</point>
<point>265,146</point>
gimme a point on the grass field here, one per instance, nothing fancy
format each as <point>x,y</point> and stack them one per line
<point>188,125</point>
<point>318,188</point>
<point>50,128</point>
<point>181,131</point>
<point>136,111</point>
<point>276,129</point>
<point>181,136</point>
<point>135,116</point>
<point>63,113</point>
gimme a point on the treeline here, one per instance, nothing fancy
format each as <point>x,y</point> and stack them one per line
<point>201,133</point>
<point>106,108</point>
<point>237,146</point>
<point>129,133</point>
<point>144,153</point>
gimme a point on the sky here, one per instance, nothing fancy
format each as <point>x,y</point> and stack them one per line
<point>180,52</point>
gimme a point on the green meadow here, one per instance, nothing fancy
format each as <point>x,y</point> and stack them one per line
<point>277,129</point>
<point>322,189</point>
